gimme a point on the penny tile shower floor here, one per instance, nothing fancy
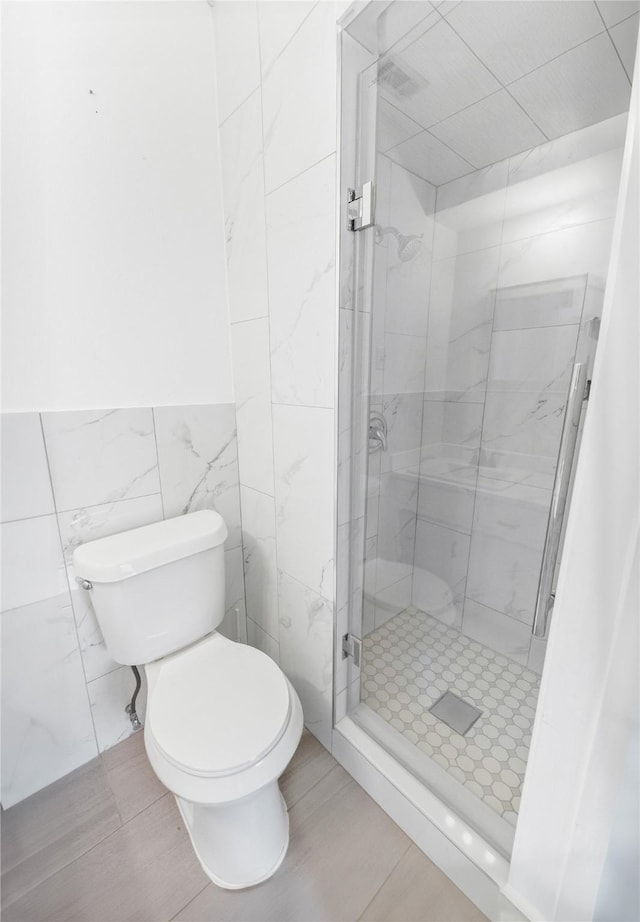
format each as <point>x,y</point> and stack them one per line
<point>409,662</point>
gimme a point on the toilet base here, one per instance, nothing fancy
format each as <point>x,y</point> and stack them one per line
<point>241,843</point>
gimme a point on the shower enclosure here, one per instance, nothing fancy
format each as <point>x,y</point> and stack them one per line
<point>485,144</point>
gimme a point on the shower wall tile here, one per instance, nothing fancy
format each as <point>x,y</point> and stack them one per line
<point>496,631</point>
<point>396,527</point>
<point>304,472</point>
<point>546,304</point>
<point>79,526</point>
<point>306,654</point>
<point>47,729</point>
<point>100,456</point>
<point>503,575</point>
<point>404,360</point>
<point>476,187</point>
<point>522,424</point>
<point>26,485</point>
<point>447,423</point>
<point>403,415</point>
<point>252,383</point>
<point>236,40</point>
<point>392,600</point>
<point>470,212</point>
<point>513,511</point>
<point>440,572</point>
<point>299,98</point>
<point>244,211</point>
<point>410,211</point>
<point>260,564</point>
<point>446,503</point>
<point>32,563</point>
<point>537,359</point>
<point>198,457</point>
<point>569,150</point>
<point>302,289</point>
<point>460,323</point>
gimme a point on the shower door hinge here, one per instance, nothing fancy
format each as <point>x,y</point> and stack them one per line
<point>360,207</point>
<point>351,647</point>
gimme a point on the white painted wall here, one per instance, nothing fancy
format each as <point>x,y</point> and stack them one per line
<point>589,694</point>
<point>114,291</point>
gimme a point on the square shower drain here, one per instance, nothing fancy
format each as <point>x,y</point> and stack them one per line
<point>455,712</point>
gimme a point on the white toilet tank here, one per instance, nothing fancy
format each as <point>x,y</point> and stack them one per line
<point>158,588</point>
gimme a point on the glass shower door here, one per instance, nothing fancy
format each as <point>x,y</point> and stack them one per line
<point>478,292</point>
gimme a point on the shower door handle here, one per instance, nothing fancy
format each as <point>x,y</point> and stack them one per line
<point>559,495</point>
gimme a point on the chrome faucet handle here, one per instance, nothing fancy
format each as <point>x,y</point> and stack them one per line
<point>377,432</point>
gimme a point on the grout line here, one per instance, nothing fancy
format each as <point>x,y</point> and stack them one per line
<point>307,169</point>
<point>70,592</point>
<point>385,881</point>
<point>208,884</point>
<point>155,436</point>
<point>269,394</point>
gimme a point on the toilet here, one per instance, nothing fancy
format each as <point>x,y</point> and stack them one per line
<point>222,720</point>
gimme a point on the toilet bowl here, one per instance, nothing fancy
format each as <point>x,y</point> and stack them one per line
<point>222,724</point>
<point>222,719</point>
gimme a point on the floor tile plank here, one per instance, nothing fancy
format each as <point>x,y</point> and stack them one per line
<point>339,855</point>
<point>52,828</point>
<point>134,783</point>
<point>418,891</point>
<point>146,870</point>
<point>309,765</point>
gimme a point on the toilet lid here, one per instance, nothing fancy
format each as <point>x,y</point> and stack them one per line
<point>218,707</point>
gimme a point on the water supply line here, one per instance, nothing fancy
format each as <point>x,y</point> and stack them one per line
<point>131,707</point>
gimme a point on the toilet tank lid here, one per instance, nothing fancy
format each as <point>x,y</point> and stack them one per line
<point>117,557</point>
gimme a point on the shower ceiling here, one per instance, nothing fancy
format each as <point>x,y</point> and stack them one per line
<point>495,78</point>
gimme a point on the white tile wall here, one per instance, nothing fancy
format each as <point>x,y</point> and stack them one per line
<point>260,562</point>
<point>47,728</point>
<point>198,458</point>
<point>100,456</point>
<point>302,289</point>
<point>63,697</point>
<point>284,362</point>
<point>306,654</point>
<point>26,485</point>
<point>243,189</point>
<point>252,379</point>
<point>237,60</point>
<point>299,98</point>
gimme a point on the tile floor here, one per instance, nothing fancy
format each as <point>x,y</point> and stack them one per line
<point>411,660</point>
<point>107,844</point>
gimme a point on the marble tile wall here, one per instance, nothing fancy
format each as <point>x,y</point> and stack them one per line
<point>278,133</point>
<point>536,229</point>
<point>400,298</point>
<point>71,477</point>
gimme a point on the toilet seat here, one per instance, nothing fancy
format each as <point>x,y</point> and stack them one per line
<point>217,708</point>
